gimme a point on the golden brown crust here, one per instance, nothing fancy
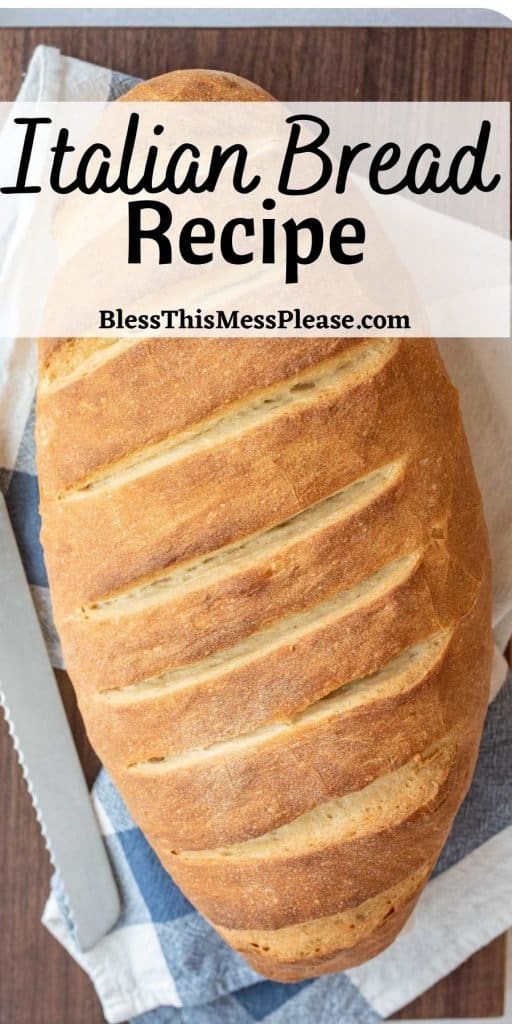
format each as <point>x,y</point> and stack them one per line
<point>314,967</point>
<point>199,85</point>
<point>271,685</point>
<point>308,763</point>
<point>163,402</point>
<point>272,892</point>
<point>330,943</point>
<point>159,459</point>
<point>296,456</point>
<point>216,605</point>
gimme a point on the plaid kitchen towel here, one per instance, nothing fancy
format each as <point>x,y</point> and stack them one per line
<point>162,963</point>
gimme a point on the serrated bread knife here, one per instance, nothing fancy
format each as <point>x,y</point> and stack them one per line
<point>47,754</point>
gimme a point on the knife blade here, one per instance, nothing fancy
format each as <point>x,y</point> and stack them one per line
<point>47,754</point>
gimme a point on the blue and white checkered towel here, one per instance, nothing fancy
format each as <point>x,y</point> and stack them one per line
<point>162,963</point>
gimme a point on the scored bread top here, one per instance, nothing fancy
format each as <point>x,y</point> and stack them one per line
<point>257,649</point>
<point>270,573</point>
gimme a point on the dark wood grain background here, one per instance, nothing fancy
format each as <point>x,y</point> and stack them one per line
<point>39,984</point>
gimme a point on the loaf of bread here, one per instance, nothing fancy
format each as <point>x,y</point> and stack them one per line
<point>270,573</point>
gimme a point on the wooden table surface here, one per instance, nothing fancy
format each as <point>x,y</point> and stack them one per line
<point>39,984</point>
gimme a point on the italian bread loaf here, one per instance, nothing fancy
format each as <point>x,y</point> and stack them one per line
<point>270,573</point>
